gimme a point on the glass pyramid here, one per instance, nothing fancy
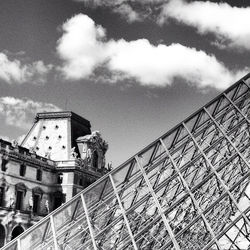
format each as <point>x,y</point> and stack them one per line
<point>189,189</point>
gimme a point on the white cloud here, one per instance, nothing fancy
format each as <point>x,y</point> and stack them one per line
<point>21,112</point>
<point>229,24</point>
<point>160,65</point>
<point>84,47</point>
<point>80,46</point>
<point>14,71</point>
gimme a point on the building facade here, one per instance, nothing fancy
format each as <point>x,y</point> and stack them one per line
<point>58,157</point>
<point>187,190</point>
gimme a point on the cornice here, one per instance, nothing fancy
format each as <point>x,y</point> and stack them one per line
<point>63,114</point>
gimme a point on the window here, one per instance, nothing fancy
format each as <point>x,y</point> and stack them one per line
<point>22,170</point>
<point>80,182</point>
<point>1,196</point>
<point>19,199</point>
<point>95,159</point>
<point>76,179</point>
<point>20,192</point>
<point>58,199</point>
<point>39,174</point>
<point>60,178</point>
<point>3,165</point>
<point>36,202</point>
<point>2,235</point>
<point>37,194</point>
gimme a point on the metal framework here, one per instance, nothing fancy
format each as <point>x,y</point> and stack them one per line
<point>189,189</point>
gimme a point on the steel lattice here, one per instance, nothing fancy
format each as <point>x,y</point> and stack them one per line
<point>189,189</point>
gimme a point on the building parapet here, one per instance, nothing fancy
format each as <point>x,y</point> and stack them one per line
<point>18,153</point>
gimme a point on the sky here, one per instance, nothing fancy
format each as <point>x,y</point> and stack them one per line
<point>133,68</point>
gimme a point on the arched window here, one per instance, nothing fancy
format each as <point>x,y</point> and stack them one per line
<point>16,231</point>
<point>2,235</point>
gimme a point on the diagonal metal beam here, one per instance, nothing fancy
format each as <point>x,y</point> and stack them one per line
<point>53,232</point>
<point>91,231</point>
<point>209,228</point>
<point>212,167</point>
<point>164,219</point>
<point>123,212</point>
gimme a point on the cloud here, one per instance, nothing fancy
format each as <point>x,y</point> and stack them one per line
<point>229,24</point>
<point>81,47</point>
<point>14,71</point>
<point>84,48</point>
<point>128,13</point>
<point>21,112</point>
<point>131,11</point>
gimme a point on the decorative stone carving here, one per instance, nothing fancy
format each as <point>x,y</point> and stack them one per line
<point>14,144</point>
<point>32,150</point>
<point>73,153</point>
<point>47,155</point>
<point>47,206</point>
<point>92,149</point>
<point>31,203</point>
<point>12,201</point>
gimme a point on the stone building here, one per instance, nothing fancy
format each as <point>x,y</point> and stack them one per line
<point>58,157</point>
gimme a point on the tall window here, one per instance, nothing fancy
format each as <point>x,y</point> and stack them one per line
<point>20,193</point>
<point>58,199</point>
<point>2,235</point>
<point>60,178</point>
<point>19,199</point>
<point>95,159</point>
<point>1,196</point>
<point>39,174</point>
<point>3,165</point>
<point>22,170</point>
<point>36,203</point>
